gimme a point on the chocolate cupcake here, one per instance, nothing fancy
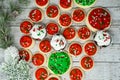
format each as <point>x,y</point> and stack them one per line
<point>102,38</point>
<point>58,42</point>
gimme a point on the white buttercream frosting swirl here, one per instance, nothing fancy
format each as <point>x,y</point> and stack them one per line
<point>58,42</point>
<point>102,38</point>
<point>38,31</point>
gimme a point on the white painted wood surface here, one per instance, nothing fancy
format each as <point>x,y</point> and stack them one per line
<point>107,60</point>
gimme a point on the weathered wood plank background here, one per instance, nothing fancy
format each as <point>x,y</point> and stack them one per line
<point>107,60</point>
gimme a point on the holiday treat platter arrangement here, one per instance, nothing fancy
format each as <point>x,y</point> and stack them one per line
<point>59,42</point>
<point>57,45</point>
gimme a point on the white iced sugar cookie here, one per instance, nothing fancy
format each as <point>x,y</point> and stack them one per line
<point>102,38</point>
<point>38,31</point>
<point>58,42</point>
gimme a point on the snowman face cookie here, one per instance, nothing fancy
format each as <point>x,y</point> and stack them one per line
<point>58,42</point>
<point>38,31</point>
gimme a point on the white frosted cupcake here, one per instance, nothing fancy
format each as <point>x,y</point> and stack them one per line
<point>58,42</point>
<point>102,38</point>
<point>38,31</point>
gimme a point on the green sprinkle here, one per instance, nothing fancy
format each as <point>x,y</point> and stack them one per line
<point>42,31</point>
<point>38,34</point>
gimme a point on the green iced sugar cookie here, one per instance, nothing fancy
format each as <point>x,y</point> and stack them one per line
<point>59,62</point>
<point>85,2</point>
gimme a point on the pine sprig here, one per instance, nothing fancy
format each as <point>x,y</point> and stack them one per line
<point>5,37</point>
<point>6,16</point>
<point>15,7</point>
<point>25,2</point>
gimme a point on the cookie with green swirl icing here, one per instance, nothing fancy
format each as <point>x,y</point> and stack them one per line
<point>59,62</point>
<point>85,3</point>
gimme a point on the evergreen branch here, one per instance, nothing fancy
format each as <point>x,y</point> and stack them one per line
<point>25,2</point>
<point>5,37</point>
<point>1,4</point>
<point>15,7</point>
<point>5,17</point>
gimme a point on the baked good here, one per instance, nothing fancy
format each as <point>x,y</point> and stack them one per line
<point>69,33</point>
<point>75,49</point>
<point>58,42</point>
<point>85,3</point>
<point>38,31</point>
<point>36,15</point>
<point>86,63</point>
<point>59,62</point>
<point>98,18</point>
<point>42,3</point>
<point>25,55</point>
<point>53,77</point>
<point>52,28</point>
<point>65,20</point>
<point>84,33</point>
<point>26,42</point>
<point>90,48</point>
<point>52,11</point>
<point>76,73</point>
<point>65,4</point>
<point>78,15</point>
<point>102,38</point>
<point>38,59</point>
<point>41,73</point>
<point>45,46</point>
<point>26,26</point>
